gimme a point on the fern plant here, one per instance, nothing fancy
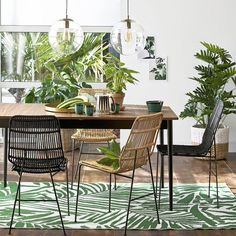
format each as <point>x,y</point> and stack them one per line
<point>216,79</point>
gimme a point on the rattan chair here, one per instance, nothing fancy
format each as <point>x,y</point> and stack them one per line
<point>207,148</point>
<point>35,147</point>
<point>89,135</point>
<point>136,153</point>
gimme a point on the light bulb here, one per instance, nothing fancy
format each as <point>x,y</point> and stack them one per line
<point>127,37</point>
<point>66,36</point>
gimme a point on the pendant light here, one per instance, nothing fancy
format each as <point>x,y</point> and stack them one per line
<point>127,37</point>
<point>66,36</point>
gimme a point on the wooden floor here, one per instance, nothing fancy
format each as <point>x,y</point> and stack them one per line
<point>186,170</point>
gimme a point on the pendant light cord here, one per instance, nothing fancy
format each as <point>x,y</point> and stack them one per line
<point>127,9</point>
<point>66,9</point>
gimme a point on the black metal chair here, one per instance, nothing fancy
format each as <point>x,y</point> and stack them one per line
<point>35,147</point>
<point>206,148</point>
<point>136,153</point>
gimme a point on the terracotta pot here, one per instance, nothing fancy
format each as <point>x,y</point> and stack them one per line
<point>119,98</point>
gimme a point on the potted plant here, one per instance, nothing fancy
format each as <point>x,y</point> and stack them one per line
<point>213,81</point>
<point>66,75</point>
<point>117,77</point>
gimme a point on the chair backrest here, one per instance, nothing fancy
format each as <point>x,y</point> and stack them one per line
<point>212,126</point>
<point>34,138</point>
<point>141,141</point>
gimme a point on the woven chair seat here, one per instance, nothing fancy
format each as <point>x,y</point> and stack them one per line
<point>182,150</point>
<point>30,166</point>
<point>94,135</point>
<point>95,165</point>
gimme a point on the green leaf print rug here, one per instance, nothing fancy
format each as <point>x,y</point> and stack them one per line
<point>192,207</point>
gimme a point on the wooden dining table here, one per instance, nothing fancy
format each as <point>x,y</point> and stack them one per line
<point>122,120</point>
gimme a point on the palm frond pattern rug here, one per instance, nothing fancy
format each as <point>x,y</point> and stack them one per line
<point>192,207</point>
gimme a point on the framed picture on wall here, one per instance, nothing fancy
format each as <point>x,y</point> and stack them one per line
<point>149,50</point>
<point>158,68</point>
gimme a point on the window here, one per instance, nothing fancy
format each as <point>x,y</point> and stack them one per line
<point>26,56</point>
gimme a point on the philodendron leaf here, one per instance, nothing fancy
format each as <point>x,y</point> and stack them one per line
<point>111,153</point>
<point>107,161</point>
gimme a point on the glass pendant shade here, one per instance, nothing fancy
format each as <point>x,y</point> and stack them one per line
<point>66,36</point>
<point>127,37</point>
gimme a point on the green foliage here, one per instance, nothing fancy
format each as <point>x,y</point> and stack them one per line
<point>111,153</point>
<point>117,75</point>
<point>53,90</point>
<point>67,71</point>
<point>86,63</point>
<point>213,82</point>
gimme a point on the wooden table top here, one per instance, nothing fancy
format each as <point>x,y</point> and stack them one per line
<point>7,110</point>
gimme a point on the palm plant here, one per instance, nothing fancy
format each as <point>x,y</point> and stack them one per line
<point>65,73</point>
<point>216,79</point>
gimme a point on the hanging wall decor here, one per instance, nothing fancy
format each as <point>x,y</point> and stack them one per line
<point>149,50</point>
<point>158,68</point>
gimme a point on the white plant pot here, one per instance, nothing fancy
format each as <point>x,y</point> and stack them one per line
<point>222,140</point>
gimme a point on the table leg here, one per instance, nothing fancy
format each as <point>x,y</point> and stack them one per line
<point>162,160</point>
<point>170,161</point>
<point>5,157</point>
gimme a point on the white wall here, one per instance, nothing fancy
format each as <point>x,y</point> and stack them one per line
<point>179,26</point>
<point>46,12</point>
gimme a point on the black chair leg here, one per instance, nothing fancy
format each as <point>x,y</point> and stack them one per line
<point>130,195</point>
<point>162,171</point>
<point>109,193</point>
<point>157,170</point>
<point>210,171</point>
<point>217,187</point>
<point>115,187</point>
<point>216,175</point>
<point>77,196</point>
<point>19,198</point>
<point>161,181</point>
<point>58,206</point>
<point>153,186</point>
<point>16,197</point>
<point>77,166</point>
<point>67,190</point>
<point>73,162</point>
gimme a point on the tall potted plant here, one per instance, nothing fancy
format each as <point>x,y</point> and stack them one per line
<point>216,79</point>
<point>117,77</point>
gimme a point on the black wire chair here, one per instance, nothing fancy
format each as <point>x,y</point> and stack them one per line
<point>136,153</point>
<point>35,147</point>
<point>206,148</point>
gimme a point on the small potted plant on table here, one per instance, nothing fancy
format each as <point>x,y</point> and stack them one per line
<point>117,76</point>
